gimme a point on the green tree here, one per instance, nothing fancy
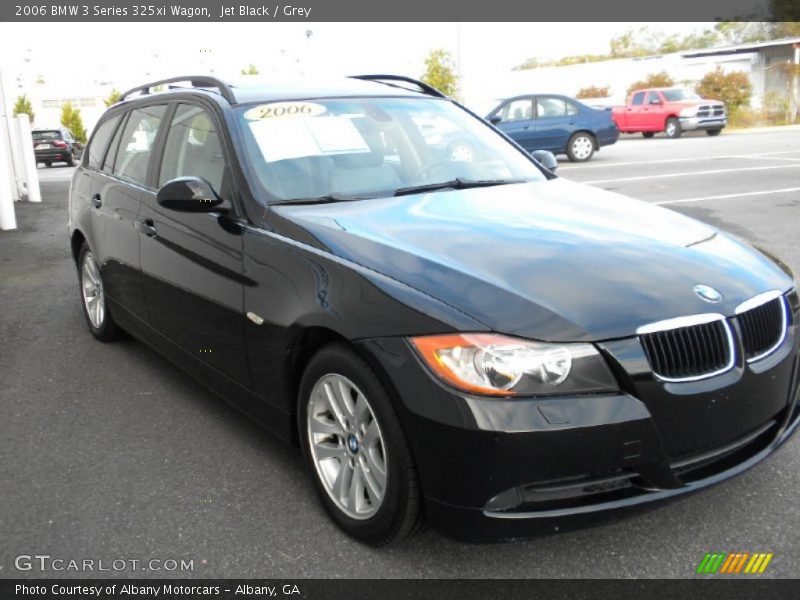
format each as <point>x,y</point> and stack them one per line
<point>113,97</point>
<point>592,91</point>
<point>250,70</point>
<point>23,106</point>
<point>732,88</point>
<point>71,119</point>
<point>440,72</point>
<point>653,80</point>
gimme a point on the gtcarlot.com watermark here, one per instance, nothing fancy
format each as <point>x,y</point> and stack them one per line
<point>58,564</point>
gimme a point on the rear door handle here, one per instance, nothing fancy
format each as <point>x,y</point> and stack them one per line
<point>97,201</point>
<point>146,226</point>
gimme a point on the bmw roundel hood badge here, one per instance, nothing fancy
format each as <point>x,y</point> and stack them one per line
<point>708,293</point>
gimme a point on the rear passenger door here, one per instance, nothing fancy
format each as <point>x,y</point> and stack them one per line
<point>192,262</point>
<point>555,121</point>
<point>636,117</point>
<point>116,193</point>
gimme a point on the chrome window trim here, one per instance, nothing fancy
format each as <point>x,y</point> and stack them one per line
<point>784,327</point>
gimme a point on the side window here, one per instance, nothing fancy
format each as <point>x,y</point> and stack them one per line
<point>136,143</point>
<point>652,98</point>
<point>571,109</point>
<point>548,107</point>
<point>193,148</point>
<point>517,110</point>
<point>100,139</point>
<point>638,98</point>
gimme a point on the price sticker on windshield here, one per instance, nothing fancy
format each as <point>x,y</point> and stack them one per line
<point>283,110</point>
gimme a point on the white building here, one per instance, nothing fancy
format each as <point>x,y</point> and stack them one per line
<point>760,60</point>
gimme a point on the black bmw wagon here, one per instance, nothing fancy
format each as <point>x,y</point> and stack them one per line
<point>456,336</point>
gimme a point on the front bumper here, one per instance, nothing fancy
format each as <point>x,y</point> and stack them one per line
<point>693,123</point>
<point>500,468</point>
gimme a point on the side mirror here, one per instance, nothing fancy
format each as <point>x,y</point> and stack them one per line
<point>495,119</point>
<point>546,158</point>
<point>190,194</point>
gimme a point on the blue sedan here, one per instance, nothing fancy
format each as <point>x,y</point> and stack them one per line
<point>555,123</point>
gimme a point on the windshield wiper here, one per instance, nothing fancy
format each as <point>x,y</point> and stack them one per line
<point>456,184</point>
<point>327,198</point>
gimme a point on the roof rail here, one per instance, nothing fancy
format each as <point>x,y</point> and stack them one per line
<point>196,81</point>
<point>388,79</point>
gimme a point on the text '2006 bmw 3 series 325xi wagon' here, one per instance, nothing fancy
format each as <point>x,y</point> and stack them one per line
<point>463,337</point>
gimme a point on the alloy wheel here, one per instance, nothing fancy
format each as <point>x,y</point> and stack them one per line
<point>92,289</point>
<point>347,446</point>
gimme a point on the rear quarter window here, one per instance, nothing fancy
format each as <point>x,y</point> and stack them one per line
<point>99,143</point>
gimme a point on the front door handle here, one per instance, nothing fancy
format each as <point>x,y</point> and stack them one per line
<point>146,226</point>
<point>97,201</point>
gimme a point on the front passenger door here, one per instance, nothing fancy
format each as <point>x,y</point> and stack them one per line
<point>192,262</point>
<point>516,121</point>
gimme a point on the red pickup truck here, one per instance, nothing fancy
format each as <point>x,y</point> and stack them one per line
<point>671,110</point>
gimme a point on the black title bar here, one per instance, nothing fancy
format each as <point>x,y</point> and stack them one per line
<point>405,10</point>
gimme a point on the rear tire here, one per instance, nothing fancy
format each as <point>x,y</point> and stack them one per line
<point>673,128</point>
<point>648,134</point>
<point>713,132</point>
<point>580,147</point>
<point>70,160</point>
<point>358,455</point>
<point>95,306</point>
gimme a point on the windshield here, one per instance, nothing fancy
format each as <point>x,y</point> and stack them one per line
<point>372,147</point>
<point>678,95</point>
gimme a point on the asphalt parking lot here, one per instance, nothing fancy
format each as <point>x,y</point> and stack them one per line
<point>108,452</point>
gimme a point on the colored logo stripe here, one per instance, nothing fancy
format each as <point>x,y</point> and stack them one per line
<point>732,563</point>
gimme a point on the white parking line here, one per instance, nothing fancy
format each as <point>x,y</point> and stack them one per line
<point>689,173</point>
<point>725,196</point>
<point>600,165</point>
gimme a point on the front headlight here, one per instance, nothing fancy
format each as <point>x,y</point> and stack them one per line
<point>689,112</point>
<point>498,365</point>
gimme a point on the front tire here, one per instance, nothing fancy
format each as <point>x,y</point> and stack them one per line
<point>95,307</point>
<point>673,128</point>
<point>713,132</point>
<point>580,147</point>
<point>356,450</point>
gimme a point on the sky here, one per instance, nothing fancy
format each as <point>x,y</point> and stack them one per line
<point>127,54</point>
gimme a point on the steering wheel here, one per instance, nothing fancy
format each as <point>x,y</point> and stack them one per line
<point>425,168</point>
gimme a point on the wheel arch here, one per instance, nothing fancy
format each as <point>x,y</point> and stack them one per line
<point>305,343</point>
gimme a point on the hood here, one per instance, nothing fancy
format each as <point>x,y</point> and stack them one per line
<point>550,260</point>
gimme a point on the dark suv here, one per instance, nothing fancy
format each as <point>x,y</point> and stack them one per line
<point>460,335</point>
<point>56,145</point>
